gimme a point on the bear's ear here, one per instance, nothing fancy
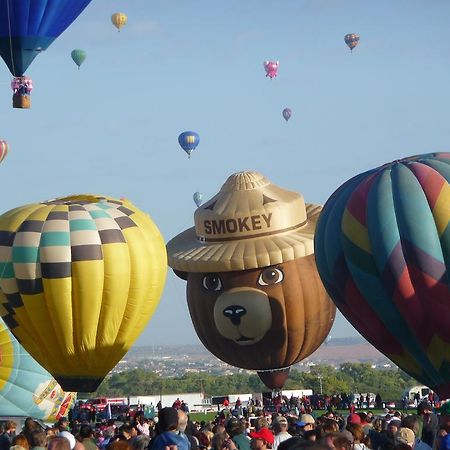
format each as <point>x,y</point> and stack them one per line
<point>179,273</point>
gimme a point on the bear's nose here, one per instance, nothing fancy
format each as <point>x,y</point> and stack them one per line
<point>234,313</point>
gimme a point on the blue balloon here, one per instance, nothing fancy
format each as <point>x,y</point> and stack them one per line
<point>27,27</point>
<point>198,199</point>
<point>188,141</point>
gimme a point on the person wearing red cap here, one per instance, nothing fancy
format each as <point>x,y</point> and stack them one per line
<point>262,439</point>
<point>354,418</point>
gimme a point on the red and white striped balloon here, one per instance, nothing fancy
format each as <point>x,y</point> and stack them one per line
<point>3,150</point>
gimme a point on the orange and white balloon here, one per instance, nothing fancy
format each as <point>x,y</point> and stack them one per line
<point>3,150</point>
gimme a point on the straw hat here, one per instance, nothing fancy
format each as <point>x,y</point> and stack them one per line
<point>250,223</point>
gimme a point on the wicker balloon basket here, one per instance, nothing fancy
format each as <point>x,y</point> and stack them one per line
<point>21,101</point>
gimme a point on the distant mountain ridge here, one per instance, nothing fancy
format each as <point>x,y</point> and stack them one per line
<point>335,351</point>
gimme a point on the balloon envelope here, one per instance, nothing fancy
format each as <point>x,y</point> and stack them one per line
<point>383,252</point>
<point>198,198</point>
<point>26,388</point>
<point>352,40</point>
<point>271,68</point>
<point>78,56</point>
<point>27,27</point>
<point>287,114</point>
<point>3,150</point>
<point>188,141</point>
<point>80,277</point>
<point>119,20</point>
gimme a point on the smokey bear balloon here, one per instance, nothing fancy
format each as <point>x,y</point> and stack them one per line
<point>254,294</point>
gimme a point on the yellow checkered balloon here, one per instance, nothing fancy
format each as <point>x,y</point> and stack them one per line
<point>80,277</point>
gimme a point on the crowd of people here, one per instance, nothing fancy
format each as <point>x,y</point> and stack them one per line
<point>172,429</point>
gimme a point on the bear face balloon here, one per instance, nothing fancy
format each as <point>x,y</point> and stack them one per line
<point>253,290</point>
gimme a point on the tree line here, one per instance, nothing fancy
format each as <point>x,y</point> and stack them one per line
<point>347,378</point>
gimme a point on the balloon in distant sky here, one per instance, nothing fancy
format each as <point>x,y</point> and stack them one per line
<point>119,20</point>
<point>287,114</point>
<point>26,388</point>
<point>3,149</point>
<point>198,198</point>
<point>271,68</point>
<point>27,28</point>
<point>188,141</point>
<point>352,40</point>
<point>80,278</point>
<point>383,252</point>
<point>253,290</point>
<point>78,56</point>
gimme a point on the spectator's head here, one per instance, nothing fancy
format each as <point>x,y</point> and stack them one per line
<point>405,436</point>
<point>58,443</point>
<point>140,442</point>
<point>182,421</point>
<point>167,420</point>
<point>38,438</point>
<point>414,423</point>
<point>86,431</point>
<point>262,439</point>
<point>234,426</point>
<point>69,436</point>
<point>280,424</point>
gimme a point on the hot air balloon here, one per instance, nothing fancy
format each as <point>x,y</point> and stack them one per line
<point>383,253</point>
<point>352,40</point>
<point>198,199</point>
<point>188,141</point>
<point>287,114</point>
<point>26,388</point>
<point>119,20</point>
<point>3,150</point>
<point>80,277</point>
<point>78,56</point>
<point>271,68</point>
<point>26,29</point>
<point>253,290</point>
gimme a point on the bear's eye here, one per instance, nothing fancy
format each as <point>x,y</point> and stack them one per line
<point>270,276</point>
<point>212,282</point>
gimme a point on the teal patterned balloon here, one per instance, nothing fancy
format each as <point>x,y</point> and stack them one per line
<point>26,388</point>
<point>78,56</point>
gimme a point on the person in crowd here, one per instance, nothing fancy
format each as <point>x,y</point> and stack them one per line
<point>235,429</point>
<point>183,419</point>
<point>140,442</point>
<point>262,439</point>
<point>127,431</point>
<point>414,422</point>
<point>58,443</point>
<point>357,433</point>
<point>5,441</point>
<point>430,422</point>
<point>280,427</point>
<point>69,436</point>
<point>38,439</point>
<point>405,436</point>
<point>87,437</point>
<point>20,440</point>
<point>167,431</point>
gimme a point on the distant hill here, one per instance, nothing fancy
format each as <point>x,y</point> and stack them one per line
<point>335,352</point>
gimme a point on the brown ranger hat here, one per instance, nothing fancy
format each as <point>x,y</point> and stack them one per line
<point>250,223</point>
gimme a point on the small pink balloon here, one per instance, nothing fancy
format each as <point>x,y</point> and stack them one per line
<point>271,68</point>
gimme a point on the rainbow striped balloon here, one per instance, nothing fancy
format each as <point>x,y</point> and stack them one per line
<point>382,248</point>
<point>3,150</point>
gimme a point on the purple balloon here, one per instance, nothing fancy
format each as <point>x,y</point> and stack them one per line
<point>287,114</point>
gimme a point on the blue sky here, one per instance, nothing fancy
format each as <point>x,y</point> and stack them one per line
<point>112,126</point>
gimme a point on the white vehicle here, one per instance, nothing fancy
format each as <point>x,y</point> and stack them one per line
<point>415,394</point>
